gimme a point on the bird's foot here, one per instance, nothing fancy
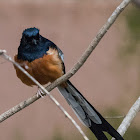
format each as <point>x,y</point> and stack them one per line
<point>40,93</point>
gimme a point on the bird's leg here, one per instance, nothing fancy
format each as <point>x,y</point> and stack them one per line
<point>40,93</point>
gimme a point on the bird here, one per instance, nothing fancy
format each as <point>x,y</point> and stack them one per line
<point>43,60</point>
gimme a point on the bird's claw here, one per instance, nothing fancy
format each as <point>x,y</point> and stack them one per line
<point>40,93</point>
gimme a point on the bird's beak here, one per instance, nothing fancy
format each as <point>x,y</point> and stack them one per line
<point>34,41</point>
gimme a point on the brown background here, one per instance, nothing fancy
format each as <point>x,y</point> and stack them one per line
<point>71,25</point>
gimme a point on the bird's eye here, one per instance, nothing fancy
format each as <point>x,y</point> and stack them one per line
<point>47,48</point>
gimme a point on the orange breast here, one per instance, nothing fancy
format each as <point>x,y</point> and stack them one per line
<point>44,70</point>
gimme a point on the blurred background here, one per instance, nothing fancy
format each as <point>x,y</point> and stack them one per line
<point>109,79</point>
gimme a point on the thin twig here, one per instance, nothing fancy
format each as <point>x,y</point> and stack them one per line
<point>24,103</point>
<point>76,67</point>
<point>129,117</point>
<point>115,117</point>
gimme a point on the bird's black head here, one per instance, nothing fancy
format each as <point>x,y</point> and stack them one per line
<point>30,36</point>
<point>33,45</point>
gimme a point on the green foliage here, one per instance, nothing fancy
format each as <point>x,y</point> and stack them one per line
<point>129,52</point>
<point>133,21</point>
<point>132,134</point>
<point>58,135</point>
<point>132,39</point>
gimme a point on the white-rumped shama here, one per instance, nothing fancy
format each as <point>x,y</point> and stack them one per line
<point>44,61</point>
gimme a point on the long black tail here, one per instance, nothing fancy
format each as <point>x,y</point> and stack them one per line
<point>87,113</point>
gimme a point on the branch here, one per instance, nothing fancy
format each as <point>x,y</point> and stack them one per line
<point>25,103</point>
<point>129,118</point>
<point>92,45</point>
<point>76,67</point>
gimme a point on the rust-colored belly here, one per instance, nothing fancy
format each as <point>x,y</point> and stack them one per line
<point>44,70</point>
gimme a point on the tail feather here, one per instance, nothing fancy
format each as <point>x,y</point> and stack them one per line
<point>98,132</point>
<point>87,113</point>
<point>75,105</point>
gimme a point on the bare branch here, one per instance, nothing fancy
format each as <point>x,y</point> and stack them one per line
<point>92,45</point>
<point>81,61</point>
<point>76,67</point>
<point>129,117</point>
<point>34,98</point>
<point>2,51</point>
